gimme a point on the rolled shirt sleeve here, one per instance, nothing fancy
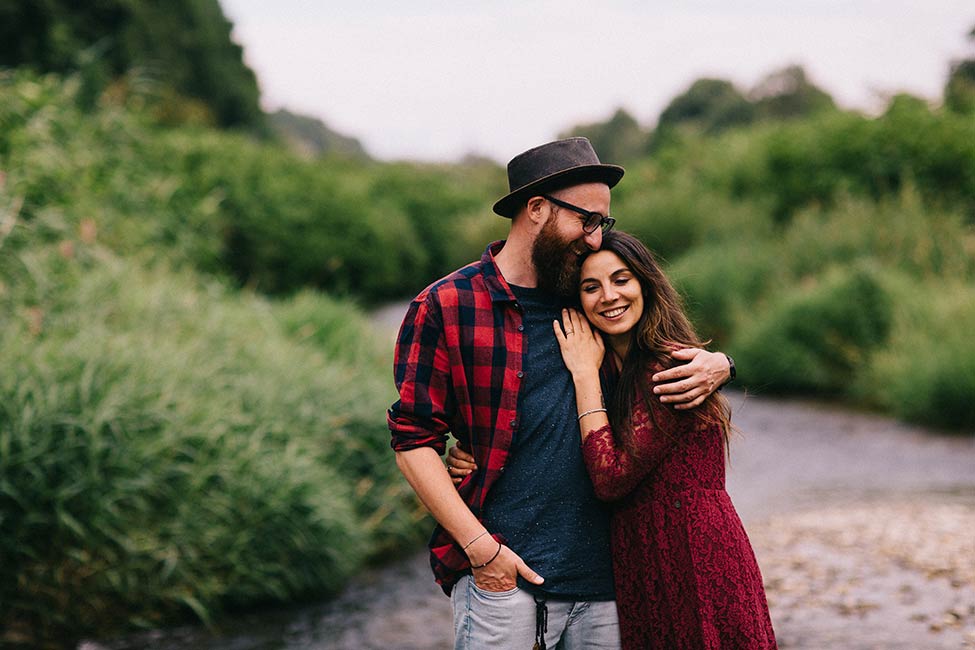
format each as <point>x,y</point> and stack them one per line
<point>421,368</point>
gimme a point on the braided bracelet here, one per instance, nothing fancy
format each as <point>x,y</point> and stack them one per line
<point>493,558</point>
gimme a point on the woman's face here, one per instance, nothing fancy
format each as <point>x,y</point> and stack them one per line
<point>611,296</point>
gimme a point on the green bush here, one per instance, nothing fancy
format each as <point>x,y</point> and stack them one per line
<point>724,284</point>
<point>899,233</point>
<point>815,339</point>
<point>169,448</point>
<point>227,205</point>
<point>927,373</point>
<point>814,161</point>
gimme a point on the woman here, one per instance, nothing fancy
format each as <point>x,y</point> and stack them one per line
<point>686,575</point>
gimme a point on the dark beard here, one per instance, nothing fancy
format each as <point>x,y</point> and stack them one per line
<point>555,269</point>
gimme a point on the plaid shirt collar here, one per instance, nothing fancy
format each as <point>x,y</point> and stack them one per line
<point>496,284</point>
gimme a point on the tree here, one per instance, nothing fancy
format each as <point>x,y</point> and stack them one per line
<point>788,93</point>
<point>184,46</point>
<point>960,89</point>
<point>311,136</point>
<point>618,139</point>
<point>713,104</point>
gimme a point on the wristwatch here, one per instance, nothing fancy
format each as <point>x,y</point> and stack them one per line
<point>731,369</point>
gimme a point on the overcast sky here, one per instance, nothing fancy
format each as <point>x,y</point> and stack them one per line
<point>437,79</point>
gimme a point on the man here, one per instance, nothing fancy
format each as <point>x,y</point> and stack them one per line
<point>522,545</point>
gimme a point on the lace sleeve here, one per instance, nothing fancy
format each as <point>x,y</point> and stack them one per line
<point>614,472</point>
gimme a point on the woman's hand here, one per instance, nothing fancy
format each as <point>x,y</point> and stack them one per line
<point>459,464</point>
<point>582,347</point>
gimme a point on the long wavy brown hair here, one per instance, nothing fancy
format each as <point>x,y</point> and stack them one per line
<point>662,328</point>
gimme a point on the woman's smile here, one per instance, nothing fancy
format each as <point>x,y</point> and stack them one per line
<point>611,297</point>
<point>614,313</point>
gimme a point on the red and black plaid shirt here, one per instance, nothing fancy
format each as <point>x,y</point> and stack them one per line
<point>458,368</point>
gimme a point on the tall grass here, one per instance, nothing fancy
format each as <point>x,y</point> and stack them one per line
<point>170,448</point>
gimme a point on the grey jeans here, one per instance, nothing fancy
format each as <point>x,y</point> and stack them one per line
<point>506,620</point>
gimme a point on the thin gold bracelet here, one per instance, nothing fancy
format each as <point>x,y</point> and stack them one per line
<point>475,539</point>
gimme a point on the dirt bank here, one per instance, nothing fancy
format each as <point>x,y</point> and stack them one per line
<point>862,527</point>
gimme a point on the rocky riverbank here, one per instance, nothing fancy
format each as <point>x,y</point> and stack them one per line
<point>862,527</point>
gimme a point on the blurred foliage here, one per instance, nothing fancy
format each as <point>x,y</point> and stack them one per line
<point>823,247</point>
<point>228,205</point>
<point>959,94</point>
<point>713,104</point>
<point>620,139</point>
<point>789,239</point>
<point>183,46</point>
<point>960,91</point>
<point>813,162</point>
<point>815,337</point>
<point>709,106</point>
<point>311,137</point>
<point>787,94</point>
<point>927,373</point>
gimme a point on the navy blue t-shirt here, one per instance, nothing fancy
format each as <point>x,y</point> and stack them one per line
<point>544,503</point>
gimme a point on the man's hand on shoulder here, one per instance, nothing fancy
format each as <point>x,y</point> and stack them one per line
<point>686,386</point>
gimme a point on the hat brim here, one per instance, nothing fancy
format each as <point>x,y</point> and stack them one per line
<point>508,205</point>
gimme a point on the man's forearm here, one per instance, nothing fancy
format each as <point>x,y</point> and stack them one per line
<point>428,477</point>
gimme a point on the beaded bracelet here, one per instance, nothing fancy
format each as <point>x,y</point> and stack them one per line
<point>493,558</point>
<point>590,412</point>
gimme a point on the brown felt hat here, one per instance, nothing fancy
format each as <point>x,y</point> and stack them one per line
<point>552,166</point>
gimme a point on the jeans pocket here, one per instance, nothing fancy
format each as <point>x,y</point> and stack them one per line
<point>480,591</point>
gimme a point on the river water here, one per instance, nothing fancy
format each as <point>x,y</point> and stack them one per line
<point>864,529</point>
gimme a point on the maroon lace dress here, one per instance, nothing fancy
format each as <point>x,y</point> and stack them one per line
<point>686,575</point>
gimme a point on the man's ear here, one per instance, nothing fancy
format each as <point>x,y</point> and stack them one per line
<point>536,209</point>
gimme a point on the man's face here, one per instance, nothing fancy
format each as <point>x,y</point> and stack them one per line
<point>556,249</point>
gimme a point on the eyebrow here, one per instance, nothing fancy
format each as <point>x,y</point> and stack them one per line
<point>622,269</point>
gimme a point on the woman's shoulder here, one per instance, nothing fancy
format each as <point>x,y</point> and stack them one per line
<point>656,365</point>
<point>654,405</point>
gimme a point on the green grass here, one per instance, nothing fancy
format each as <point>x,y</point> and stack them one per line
<point>169,447</point>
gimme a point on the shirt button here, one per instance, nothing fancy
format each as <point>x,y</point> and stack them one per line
<point>677,504</point>
<point>501,469</point>
<point>520,374</point>
<point>513,423</point>
<point>521,328</point>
